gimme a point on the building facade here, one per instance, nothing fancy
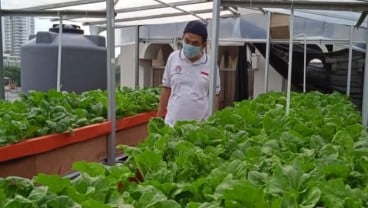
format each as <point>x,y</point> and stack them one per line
<point>16,30</point>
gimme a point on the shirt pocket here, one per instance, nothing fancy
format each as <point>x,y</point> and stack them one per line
<point>204,80</point>
<point>200,87</point>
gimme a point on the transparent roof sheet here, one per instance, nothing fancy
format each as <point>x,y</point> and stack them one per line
<point>87,7</point>
<point>20,4</point>
<point>161,11</point>
<point>181,18</point>
<point>338,17</point>
<point>162,20</point>
<point>143,13</point>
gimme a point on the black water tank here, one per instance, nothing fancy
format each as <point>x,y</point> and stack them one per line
<point>83,61</point>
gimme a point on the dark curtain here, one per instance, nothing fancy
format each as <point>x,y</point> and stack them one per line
<point>241,75</point>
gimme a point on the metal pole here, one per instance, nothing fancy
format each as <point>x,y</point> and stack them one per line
<point>136,64</point>
<point>365,87</point>
<point>58,78</point>
<point>2,89</point>
<point>291,25</point>
<point>305,65</point>
<point>348,82</point>
<point>53,13</point>
<point>214,54</point>
<point>300,4</point>
<point>267,64</point>
<point>110,21</point>
<point>304,61</point>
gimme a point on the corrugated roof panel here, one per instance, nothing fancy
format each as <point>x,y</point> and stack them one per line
<point>181,18</point>
<point>149,12</point>
<point>135,3</point>
<point>87,7</point>
<point>173,1</point>
<point>336,17</point>
<point>20,4</point>
<point>340,17</point>
<point>195,7</point>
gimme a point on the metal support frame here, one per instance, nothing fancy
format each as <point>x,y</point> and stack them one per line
<point>2,88</point>
<point>136,56</point>
<point>267,64</point>
<point>54,13</point>
<point>63,4</point>
<point>179,9</point>
<point>110,36</point>
<point>365,82</point>
<point>304,61</point>
<point>233,10</point>
<point>159,6</point>
<point>241,41</point>
<point>131,9</point>
<point>288,93</point>
<point>214,55</point>
<point>300,4</point>
<point>58,76</point>
<point>348,81</point>
<point>305,65</point>
<point>156,16</point>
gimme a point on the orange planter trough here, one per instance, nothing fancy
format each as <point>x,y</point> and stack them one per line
<point>55,153</point>
<point>125,134</point>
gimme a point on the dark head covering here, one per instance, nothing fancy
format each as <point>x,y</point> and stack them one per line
<point>198,28</point>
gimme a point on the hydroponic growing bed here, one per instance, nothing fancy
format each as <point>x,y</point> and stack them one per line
<point>82,139</point>
<point>252,155</point>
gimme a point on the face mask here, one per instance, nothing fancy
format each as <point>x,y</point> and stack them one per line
<point>191,51</point>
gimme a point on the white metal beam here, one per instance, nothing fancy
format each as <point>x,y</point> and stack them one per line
<point>214,55</point>
<point>365,84</point>
<point>305,65</point>
<point>267,64</point>
<point>149,17</point>
<point>348,80</point>
<point>290,66</point>
<point>301,4</point>
<point>54,13</point>
<point>182,10</point>
<point>58,77</point>
<point>2,89</point>
<point>136,57</point>
<point>63,4</point>
<point>159,6</point>
<point>149,7</point>
<point>110,39</point>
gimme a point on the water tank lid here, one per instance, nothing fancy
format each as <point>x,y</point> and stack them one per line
<point>66,28</point>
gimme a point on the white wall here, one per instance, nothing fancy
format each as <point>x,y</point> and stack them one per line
<point>275,81</point>
<point>127,68</point>
<point>149,54</point>
<point>145,72</point>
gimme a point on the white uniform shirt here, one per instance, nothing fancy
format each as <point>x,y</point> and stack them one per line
<point>189,83</point>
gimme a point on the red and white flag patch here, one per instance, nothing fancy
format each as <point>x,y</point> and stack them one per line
<point>204,73</point>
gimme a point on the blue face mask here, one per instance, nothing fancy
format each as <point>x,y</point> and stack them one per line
<point>191,51</point>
